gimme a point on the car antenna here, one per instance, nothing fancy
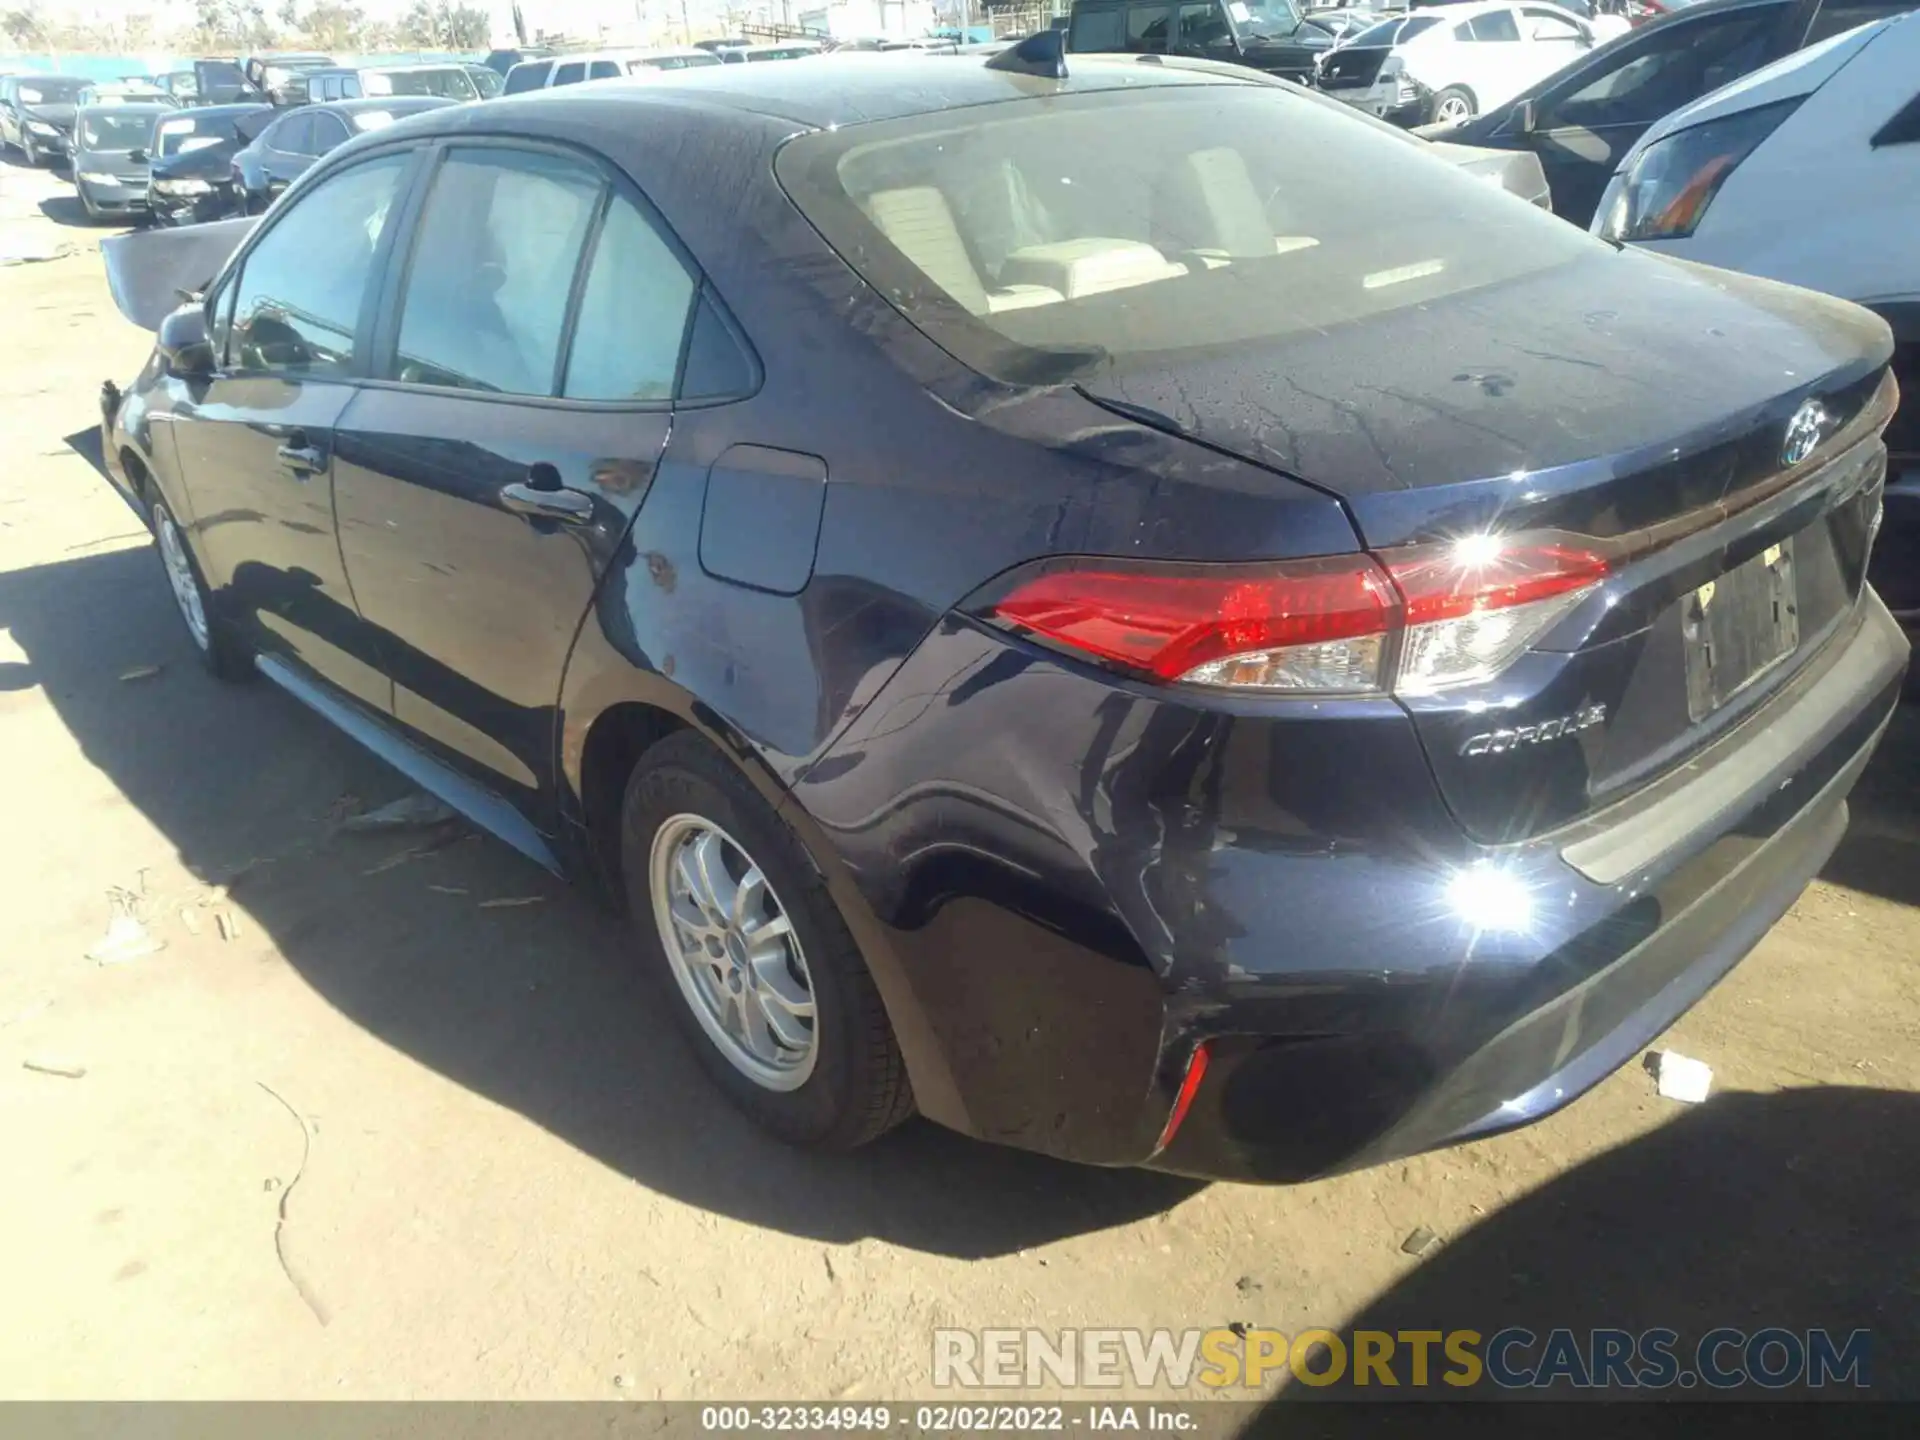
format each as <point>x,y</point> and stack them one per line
<point>1043,53</point>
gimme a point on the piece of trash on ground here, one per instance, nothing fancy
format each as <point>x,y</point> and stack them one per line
<point>397,859</point>
<point>140,672</point>
<point>228,924</point>
<point>416,811</point>
<point>449,889</point>
<point>1679,1077</point>
<point>505,901</point>
<point>61,1068</point>
<point>189,920</point>
<point>126,939</point>
<point>1419,1240</point>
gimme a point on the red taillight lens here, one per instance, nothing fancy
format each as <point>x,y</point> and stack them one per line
<point>1183,1098</point>
<point>1459,613</point>
<point>1186,623</point>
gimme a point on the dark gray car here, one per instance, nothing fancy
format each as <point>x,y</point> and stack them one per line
<point>36,114</point>
<point>111,145</point>
<point>292,143</point>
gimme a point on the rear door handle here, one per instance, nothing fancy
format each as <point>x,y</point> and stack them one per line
<point>573,506</point>
<point>301,459</point>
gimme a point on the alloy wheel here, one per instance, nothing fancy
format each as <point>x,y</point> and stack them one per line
<point>186,589</point>
<point>733,952</point>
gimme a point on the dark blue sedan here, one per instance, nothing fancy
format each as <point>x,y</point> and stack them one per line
<point>1134,613</point>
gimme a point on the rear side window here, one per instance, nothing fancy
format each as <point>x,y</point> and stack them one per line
<point>1041,240</point>
<point>571,73</point>
<point>602,70</point>
<point>633,314</point>
<point>297,304</point>
<point>293,135</point>
<point>493,263</point>
<point>328,131</point>
<point>528,75</point>
<point>1496,26</point>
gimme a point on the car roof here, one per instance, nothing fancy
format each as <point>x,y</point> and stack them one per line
<point>853,89</point>
<point>238,108</point>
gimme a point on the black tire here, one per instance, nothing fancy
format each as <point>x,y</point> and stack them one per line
<point>1454,95</point>
<point>221,651</point>
<point>857,1089</point>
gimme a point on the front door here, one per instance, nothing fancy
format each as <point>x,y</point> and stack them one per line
<point>482,490</point>
<point>256,441</point>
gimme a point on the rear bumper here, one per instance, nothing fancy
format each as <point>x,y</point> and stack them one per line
<point>1090,881</point>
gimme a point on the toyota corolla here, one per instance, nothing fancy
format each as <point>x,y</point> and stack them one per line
<point>1135,613</point>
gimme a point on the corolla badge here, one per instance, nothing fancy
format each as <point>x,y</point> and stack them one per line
<point>1499,742</point>
<point>1804,432</point>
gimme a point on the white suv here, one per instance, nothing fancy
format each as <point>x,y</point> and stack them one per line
<point>1448,64</point>
<point>571,69</point>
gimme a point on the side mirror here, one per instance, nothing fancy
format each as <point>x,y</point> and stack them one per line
<point>1527,116</point>
<point>184,345</point>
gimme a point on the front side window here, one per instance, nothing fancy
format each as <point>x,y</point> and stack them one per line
<point>1672,67</point>
<point>1080,234</point>
<point>485,83</point>
<point>572,73</point>
<point>603,70</point>
<point>1545,27</point>
<point>1147,27</point>
<point>633,314</point>
<point>1204,30</point>
<point>297,303</point>
<point>493,263</point>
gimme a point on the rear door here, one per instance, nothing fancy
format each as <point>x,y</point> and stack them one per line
<point>286,151</point>
<point>529,355</point>
<point>1584,127</point>
<point>255,443</point>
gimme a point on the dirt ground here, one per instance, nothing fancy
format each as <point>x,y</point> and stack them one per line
<point>387,1142</point>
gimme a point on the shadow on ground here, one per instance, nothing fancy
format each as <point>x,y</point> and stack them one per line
<point>1793,1209</point>
<point>539,1007</point>
<point>66,210</point>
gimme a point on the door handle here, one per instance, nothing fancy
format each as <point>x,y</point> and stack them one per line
<point>573,506</point>
<point>301,459</point>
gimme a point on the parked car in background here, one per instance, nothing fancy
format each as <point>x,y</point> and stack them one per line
<point>36,115</point>
<point>450,82</point>
<point>111,148</point>
<point>1808,171</point>
<point>191,172</point>
<point>1276,37</point>
<point>1582,121</point>
<point>1199,636</point>
<point>501,61</point>
<point>286,149</point>
<point>574,69</point>
<point>1445,65</point>
<point>272,74</point>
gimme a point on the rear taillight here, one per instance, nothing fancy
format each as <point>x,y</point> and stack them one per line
<point>1410,621</point>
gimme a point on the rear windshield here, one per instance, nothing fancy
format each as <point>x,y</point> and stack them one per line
<point>528,75</point>
<point>1043,239</point>
<point>178,135</point>
<point>114,132</point>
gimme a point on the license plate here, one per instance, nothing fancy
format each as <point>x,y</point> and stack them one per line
<point>1739,627</point>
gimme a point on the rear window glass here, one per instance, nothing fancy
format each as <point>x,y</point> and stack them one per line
<point>1038,240</point>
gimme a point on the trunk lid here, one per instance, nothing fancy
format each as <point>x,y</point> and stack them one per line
<point>1631,400</point>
